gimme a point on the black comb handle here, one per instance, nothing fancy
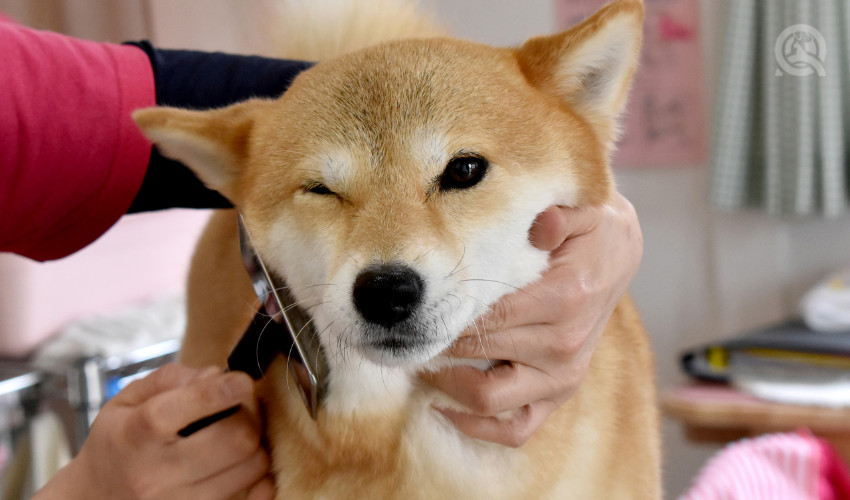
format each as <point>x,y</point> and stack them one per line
<point>255,351</point>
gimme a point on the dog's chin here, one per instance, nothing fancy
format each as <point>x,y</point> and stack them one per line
<point>400,351</point>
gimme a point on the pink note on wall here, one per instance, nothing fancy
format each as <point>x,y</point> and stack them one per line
<point>664,123</point>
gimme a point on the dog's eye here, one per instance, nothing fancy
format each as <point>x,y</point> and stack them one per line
<point>316,187</point>
<point>463,172</point>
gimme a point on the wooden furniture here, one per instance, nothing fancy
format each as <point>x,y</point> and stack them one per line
<point>716,413</point>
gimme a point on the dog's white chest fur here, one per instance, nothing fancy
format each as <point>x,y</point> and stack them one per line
<point>432,457</point>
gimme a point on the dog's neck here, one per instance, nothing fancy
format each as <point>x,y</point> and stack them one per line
<point>360,422</point>
<point>360,388</point>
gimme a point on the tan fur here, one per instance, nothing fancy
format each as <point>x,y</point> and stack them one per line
<point>227,311</point>
<point>377,127</point>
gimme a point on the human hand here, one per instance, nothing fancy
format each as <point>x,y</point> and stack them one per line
<point>548,331</point>
<point>133,450</point>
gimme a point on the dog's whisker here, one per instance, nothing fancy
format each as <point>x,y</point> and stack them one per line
<point>348,347</point>
<point>339,353</point>
<point>452,367</point>
<point>257,347</point>
<point>481,340</point>
<point>278,289</point>
<point>515,288</point>
<point>455,269</point>
<point>459,301</point>
<point>302,306</point>
<point>464,268</point>
<point>353,258</point>
<point>342,346</point>
<point>316,285</point>
<point>383,378</point>
<point>289,354</point>
<point>288,361</point>
<point>449,340</point>
<point>293,305</point>
<point>484,306</point>
<point>423,254</point>
<point>306,325</point>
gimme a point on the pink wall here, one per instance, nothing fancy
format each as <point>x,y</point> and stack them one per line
<point>142,256</point>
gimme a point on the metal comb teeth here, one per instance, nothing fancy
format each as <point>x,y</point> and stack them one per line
<point>305,356</point>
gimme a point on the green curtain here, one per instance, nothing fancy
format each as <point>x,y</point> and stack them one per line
<point>782,119</point>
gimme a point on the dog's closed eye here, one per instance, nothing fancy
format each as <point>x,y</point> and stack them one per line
<point>463,172</point>
<point>317,187</point>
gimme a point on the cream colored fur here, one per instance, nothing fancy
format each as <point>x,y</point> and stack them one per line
<point>315,30</point>
<point>377,128</point>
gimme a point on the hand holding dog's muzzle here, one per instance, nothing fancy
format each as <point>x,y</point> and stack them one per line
<point>549,330</point>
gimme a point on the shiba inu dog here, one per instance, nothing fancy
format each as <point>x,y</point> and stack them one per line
<point>393,188</point>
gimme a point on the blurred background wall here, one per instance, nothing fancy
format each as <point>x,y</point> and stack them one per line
<point>705,275</point>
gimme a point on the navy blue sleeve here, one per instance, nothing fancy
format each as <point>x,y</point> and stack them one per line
<point>202,80</point>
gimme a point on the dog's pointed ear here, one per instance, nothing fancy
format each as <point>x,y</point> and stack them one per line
<point>590,66</point>
<point>213,143</point>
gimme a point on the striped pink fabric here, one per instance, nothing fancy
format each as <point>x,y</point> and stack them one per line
<point>789,466</point>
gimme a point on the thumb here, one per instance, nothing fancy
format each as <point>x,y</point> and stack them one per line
<point>556,224</point>
<point>547,231</point>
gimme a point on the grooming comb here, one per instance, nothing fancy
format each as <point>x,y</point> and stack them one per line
<point>278,327</point>
<point>300,343</point>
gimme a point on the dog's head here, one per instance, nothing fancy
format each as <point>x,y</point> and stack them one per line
<point>394,187</point>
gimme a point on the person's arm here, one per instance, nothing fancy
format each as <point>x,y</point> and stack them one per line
<point>134,451</point>
<point>72,160</point>
<point>71,163</point>
<point>550,331</point>
<point>201,80</point>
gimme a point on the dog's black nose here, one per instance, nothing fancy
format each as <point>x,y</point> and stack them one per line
<point>387,294</point>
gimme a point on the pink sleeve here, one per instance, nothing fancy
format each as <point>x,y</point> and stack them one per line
<point>71,159</point>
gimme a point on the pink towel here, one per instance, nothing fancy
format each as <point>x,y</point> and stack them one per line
<point>789,466</point>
